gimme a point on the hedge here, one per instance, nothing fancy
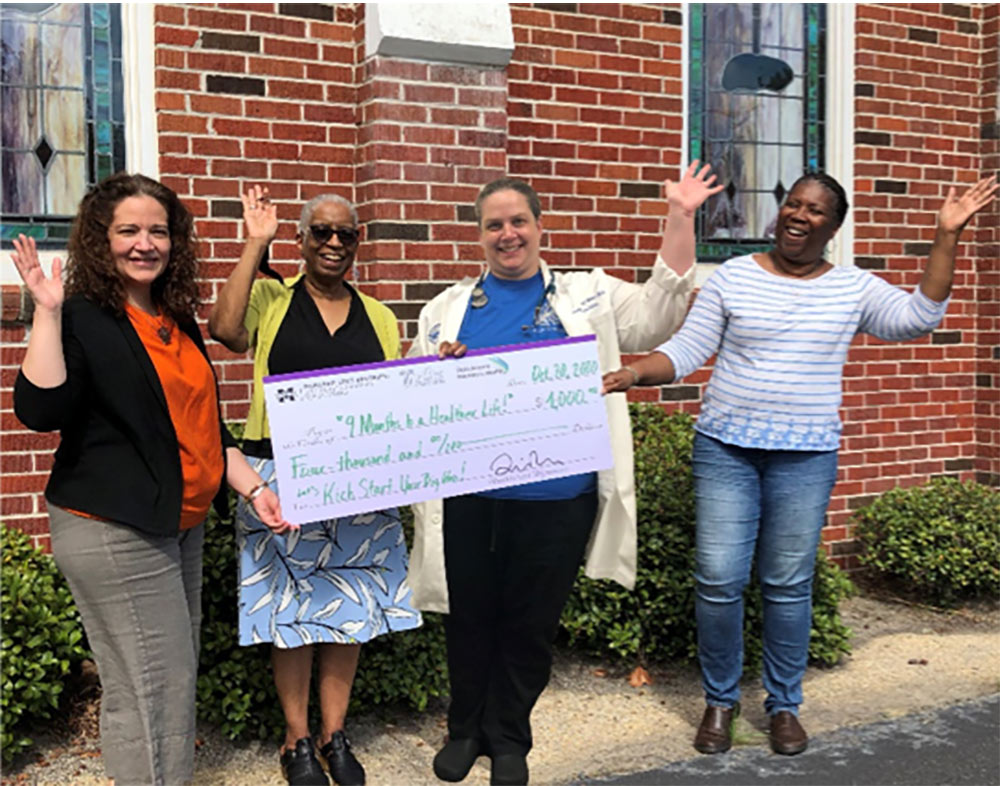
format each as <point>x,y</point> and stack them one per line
<point>655,622</point>
<point>42,639</point>
<point>940,541</point>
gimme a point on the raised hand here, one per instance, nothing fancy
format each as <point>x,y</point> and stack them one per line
<point>47,292</point>
<point>260,214</point>
<point>957,210</point>
<point>695,187</point>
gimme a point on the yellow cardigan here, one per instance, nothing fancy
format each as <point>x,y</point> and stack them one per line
<point>269,300</point>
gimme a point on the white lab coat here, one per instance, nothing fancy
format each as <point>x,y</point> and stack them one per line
<point>625,317</point>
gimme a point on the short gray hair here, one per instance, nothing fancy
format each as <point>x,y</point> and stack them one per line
<point>309,207</point>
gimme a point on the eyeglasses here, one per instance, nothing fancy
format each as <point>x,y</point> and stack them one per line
<point>321,233</point>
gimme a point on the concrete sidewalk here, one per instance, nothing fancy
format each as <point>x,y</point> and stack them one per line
<point>590,724</point>
<point>957,745</point>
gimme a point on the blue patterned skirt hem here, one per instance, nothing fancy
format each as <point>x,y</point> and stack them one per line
<point>337,581</point>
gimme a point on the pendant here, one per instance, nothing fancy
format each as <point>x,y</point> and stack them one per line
<point>164,333</point>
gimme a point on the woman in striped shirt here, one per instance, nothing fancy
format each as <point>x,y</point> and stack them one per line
<point>765,451</point>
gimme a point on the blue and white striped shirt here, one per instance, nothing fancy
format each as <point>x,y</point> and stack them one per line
<point>782,343</point>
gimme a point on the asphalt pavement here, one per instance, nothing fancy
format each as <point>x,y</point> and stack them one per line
<point>954,746</point>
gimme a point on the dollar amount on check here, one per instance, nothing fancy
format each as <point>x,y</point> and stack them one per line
<point>363,438</point>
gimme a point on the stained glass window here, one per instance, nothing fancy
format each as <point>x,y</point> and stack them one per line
<point>757,88</point>
<point>63,117</point>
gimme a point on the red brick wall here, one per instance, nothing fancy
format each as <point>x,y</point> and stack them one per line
<point>25,458</point>
<point>910,409</point>
<point>590,111</point>
<point>596,123</point>
<point>248,95</point>
<point>430,136</point>
<point>987,240</point>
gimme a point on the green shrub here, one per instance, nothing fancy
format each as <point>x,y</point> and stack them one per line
<point>940,541</point>
<point>235,686</point>
<point>235,689</point>
<point>655,622</point>
<point>42,638</point>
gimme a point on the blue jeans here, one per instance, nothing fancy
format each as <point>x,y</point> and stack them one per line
<point>772,503</point>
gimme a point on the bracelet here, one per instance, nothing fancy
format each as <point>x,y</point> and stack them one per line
<point>256,491</point>
<point>635,375</point>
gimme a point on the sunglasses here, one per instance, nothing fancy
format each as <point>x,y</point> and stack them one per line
<point>321,233</point>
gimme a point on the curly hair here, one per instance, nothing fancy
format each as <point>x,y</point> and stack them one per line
<point>90,269</point>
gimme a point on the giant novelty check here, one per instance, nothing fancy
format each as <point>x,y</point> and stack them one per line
<point>362,438</point>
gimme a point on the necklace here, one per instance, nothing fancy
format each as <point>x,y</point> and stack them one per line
<point>163,325</point>
<point>164,333</point>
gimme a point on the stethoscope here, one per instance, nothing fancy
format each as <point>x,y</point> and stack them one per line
<point>479,297</point>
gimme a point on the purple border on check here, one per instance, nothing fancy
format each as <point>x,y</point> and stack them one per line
<point>325,372</point>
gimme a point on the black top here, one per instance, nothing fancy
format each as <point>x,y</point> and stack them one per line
<point>118,458</point>
<point>304,344</point>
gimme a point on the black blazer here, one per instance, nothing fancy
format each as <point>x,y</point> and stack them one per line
<point>118,458</point>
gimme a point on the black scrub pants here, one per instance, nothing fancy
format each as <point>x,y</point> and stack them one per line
<point>510,565</point>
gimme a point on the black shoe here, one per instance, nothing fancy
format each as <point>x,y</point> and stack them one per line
<point>345,769</point>
<point>509,769</point>
<point>453,762</point>
<point>301,767</point>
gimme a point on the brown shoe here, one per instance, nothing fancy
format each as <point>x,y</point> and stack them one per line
<point>715,734</point>
<point>787,735</point>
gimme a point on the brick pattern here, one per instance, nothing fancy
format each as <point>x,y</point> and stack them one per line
<point>910,410</point>
<point>429,136</point>
<point>590,111</point>
<point>987,240</point>
<point>595,123</point>
<point>247,94</point>
<point>595,126</point>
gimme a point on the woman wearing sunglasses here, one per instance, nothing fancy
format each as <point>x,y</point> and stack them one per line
<point>305,591</point>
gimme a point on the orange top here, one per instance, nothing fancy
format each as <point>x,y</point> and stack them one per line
<point>189,387</point>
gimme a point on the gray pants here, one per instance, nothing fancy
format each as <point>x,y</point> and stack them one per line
<point>140,599</point>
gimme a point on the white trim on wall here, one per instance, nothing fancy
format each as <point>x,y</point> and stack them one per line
<point>142,153</point>
<point>840,118</point>
<point>469,33</point>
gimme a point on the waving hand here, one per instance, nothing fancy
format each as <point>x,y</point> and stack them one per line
<point>260,214</point>
<point>957,210</point>
<point>693,189</point>
<point>46,291</point>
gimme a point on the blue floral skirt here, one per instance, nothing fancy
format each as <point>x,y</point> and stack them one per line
<point>340,581</point>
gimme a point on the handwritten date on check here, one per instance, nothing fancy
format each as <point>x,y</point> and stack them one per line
<point>362,438</point>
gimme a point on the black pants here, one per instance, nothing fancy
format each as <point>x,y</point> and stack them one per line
<point>510,566</point>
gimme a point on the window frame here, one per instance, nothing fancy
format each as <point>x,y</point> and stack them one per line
<point>839,142</point>
<point>141,143</point>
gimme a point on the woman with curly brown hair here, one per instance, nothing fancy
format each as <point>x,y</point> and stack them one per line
<point>116,363</point>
